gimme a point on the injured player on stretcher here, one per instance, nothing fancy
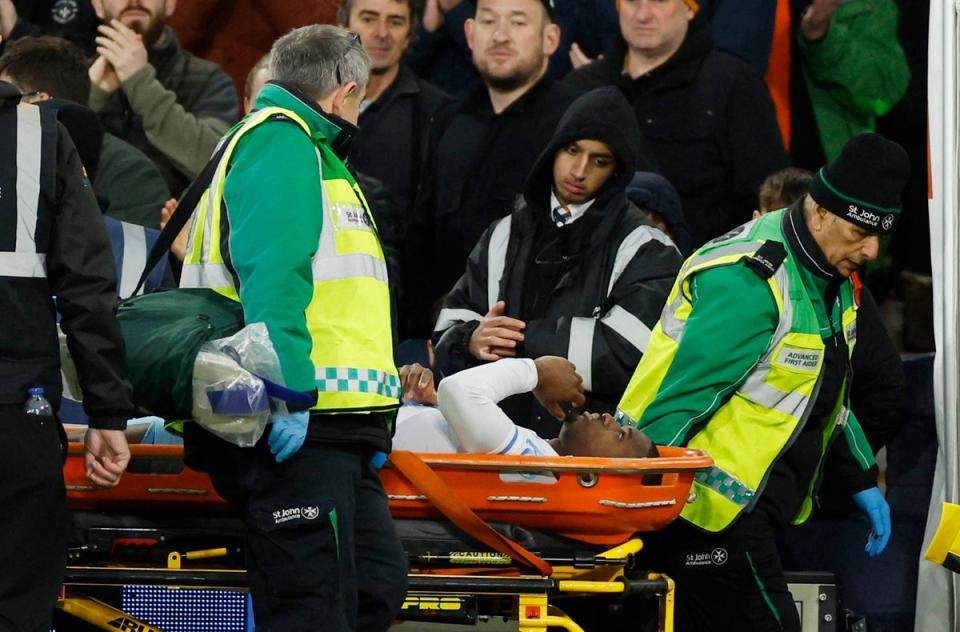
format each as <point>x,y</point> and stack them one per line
<point>469,420</point>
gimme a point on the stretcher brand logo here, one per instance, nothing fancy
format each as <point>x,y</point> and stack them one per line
<point>800,359</point>
<point>295,513</point>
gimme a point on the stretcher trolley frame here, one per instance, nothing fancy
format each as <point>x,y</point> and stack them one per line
<point>600,502</point>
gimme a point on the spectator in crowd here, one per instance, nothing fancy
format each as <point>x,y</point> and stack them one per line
<point>304,258</point>
<point>52,244</point>
<point>234,34</point>
<point>743,28</point>
<point>781,189</point>
<point>654,195</point>
<point>740,27</point>
<point>849,69</point>
<point>575,271</point>
<point>256,78</point>
<point>400,111</point>
<point>706,114</point>
<point>441,55</point>
<point>128,182</point>
<point>73,20</point>
<point>155,95</point>
<point>483,156</point>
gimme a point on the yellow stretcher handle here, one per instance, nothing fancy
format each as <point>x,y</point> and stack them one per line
<point>174,558</point>
<point>947,538</point>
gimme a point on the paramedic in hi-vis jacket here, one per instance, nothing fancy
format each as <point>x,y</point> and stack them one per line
<point>286,231</point>
<point>751,362</point>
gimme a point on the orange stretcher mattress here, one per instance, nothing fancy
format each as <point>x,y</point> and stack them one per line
<point>595,500</point>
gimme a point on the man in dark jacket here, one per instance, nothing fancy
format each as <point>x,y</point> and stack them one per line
<point>397,117</point>
<point>52,244</point>
<point>706,114</point>
<point>576,271</point>
<point>127,181</point>
<point>482,158</point>
<point>155,95</point>
<point>73,20</point>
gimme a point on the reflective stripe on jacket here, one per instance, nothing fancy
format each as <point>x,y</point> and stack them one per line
<point>349,315</point>
<point>767,409</point>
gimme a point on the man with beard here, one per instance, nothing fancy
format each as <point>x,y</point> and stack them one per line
<point>481,160</point>
<point>396,118</point>
<point>155,95</point>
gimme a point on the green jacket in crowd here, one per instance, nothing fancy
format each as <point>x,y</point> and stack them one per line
<point>856,73</point>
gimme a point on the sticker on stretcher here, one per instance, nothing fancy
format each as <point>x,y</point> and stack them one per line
<point>596,500</point>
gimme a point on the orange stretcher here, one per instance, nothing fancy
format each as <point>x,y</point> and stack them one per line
<point>592,504</point>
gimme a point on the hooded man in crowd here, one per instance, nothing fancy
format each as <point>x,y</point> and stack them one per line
<point>575,271</point>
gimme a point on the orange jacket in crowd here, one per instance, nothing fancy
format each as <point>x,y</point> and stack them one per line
<point>236,33</point>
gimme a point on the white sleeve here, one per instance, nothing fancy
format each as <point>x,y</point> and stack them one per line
<point>423,429</point>
<point>469,399</point>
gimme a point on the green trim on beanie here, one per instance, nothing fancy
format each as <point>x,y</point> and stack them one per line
<point>853,200</point>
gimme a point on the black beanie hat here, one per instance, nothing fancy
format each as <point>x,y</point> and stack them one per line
<point>863,184</point>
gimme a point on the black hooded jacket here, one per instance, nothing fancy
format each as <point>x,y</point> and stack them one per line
<point>590,291</point>
<point>710,122</point>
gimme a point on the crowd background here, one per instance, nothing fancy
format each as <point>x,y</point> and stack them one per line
<point>446,141</point>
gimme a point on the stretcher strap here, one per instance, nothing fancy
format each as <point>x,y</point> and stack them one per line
<point>449,504</point>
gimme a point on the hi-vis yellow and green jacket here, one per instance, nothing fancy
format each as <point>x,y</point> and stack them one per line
<point>759,409</point>
<point>285,230</point>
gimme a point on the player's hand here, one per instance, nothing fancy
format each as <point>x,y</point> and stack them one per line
<point>418,384</point>
<point>558,381</point>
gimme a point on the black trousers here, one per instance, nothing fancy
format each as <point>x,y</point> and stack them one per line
<point>33,521</point>
<point>322,551</point>
<point>725,581</point>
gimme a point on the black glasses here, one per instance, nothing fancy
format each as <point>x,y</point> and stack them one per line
<point>354,39</point>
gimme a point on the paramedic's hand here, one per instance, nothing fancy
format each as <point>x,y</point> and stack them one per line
<point>557,381</point>
<point>287,433</point>
<point>872,502</point>
<point>107,455</point>
<point>417,384</point>
<point>497,336</point>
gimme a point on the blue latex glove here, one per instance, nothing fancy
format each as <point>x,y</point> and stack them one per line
<point>872,502</point>
<point>287,433</point>
<point>378,459</point>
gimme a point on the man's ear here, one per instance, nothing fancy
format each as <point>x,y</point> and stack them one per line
<point>97,8</point>
<point>341,94</point>
<point>551,39</point>
<point>171,6</point>
<point>468,27</point>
